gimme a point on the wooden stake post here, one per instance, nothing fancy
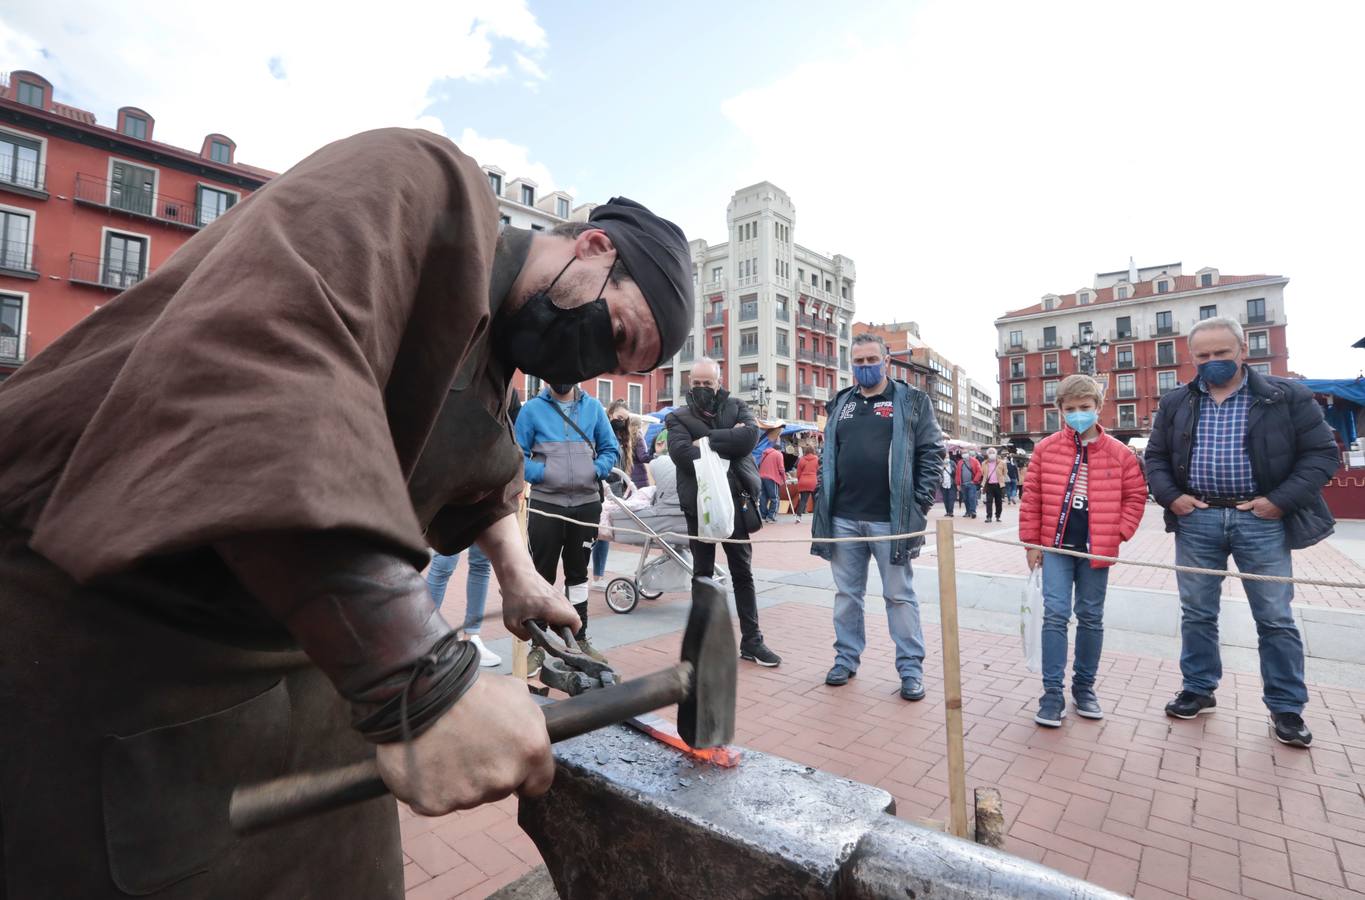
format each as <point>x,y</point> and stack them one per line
<point>952,680</point>
<point>520,648</point>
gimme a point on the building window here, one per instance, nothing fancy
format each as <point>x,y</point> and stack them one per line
<point>1123,327</point>
<point>125,260</point>
<point>131,188</point>
<point>135,126</point>
<point>1163,286</point>
<point>1047,303</point>
<point>748,342</point>
<point>19,161</point>
<point>1050,364</point>
<point>1127,387</point>
<point>783,343</point>
<point>604,392</point>
<point>1017,367</point>
<point>537,227</point>
<point>1163,323</point>
<point>562,207</point>
<point>212,204</point>
<point>689,349</point>
<point>220,152</point>
<point>717,346</point>
<point>1050,337</point>
<point>1124,357</point>
<point>503,222</point>
<point>1206,279</point>
<point>31,94</point>
<point>783,310</point>
<point>1083,298</point>
<point>1259,368</point>
<point>1256,311</point>
<point>533,386</point>
<point>1121,292</point>
<point>1127,414</point>
<point>1207,312</point>
<point>11,326</point>
<point>635,398</point>
<point>15,232</point>
<point>1165,353</point>
<point>1016,338</point>
<point>495,182</point>
<point>1165,381</point>
<point>782,408</point>
<point>1087,331</point>
<point>1049,391</point>
<point>748,308</point>
<point>1016,394</point>
<point>1051,420</point>
<point>528,195</point>
<point>1259,343</point>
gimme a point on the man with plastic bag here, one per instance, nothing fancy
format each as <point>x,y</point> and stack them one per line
<point>726,421</point>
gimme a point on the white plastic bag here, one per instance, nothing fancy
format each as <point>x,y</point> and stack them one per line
<point>1031,620</point>
<point>715,506</point>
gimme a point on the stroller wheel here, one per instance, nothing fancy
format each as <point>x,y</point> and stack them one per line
<point>650,595</point>
<point>622,595</point>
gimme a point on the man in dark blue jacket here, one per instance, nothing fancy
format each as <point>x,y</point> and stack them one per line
<point>1239,460</point>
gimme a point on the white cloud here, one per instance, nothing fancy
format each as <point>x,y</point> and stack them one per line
<point>529,66</point>
<point>301,76</point>
<point>1001,151</point>
<point>514,159</point>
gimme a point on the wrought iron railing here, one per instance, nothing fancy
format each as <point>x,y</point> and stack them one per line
<point>23,173</point>
<point>93,271</point>
<point>17,256</point>
<point>111,195</point>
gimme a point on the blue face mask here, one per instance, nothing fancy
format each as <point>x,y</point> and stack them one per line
<point>1219,372</point>
<point>1081,421</point>
<point>868,376</point>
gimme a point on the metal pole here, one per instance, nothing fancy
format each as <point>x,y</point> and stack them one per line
<point>521,649</point>
<point>952,680</point>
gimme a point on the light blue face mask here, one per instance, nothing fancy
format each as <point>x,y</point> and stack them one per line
<point>1082,420</point>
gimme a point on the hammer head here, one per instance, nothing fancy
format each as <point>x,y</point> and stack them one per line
<point>707,717</point>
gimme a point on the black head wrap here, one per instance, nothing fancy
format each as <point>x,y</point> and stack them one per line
<point>655,252</point>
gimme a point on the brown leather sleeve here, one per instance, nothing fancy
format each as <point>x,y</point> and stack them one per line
<point>362,614</point>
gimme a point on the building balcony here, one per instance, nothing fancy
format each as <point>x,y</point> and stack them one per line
<point>1159,331</point>
<point>1266,318</point>
<point>805,354</point>
<point>1167,359</point>
<point>1009,348</point>
<point>90,271</point>
<point>749,280</point>
<point>21,176</point>
<point>748,312</point>
<point>783,350</point>
<point>784,386</point>
<point>820,393</point>
<point>1259,353</point>
<point>810,322</point>
<point>805,389</point>
<point>815,293</point>
<point>663,395</point>
<point>784,314</point>
<point>1124,365</point>
<point>16,259</point>
<point>714,287</point>
<point>93,191</point>
<point>746,350</point>
<point>715,319</point>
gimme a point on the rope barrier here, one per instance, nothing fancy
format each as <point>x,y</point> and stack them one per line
<point>1191,570</point>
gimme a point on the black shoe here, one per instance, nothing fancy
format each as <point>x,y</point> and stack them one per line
<point>1087,705</point>
<point>839,675</point>
<point>1188,704</point>
<point>1289,729</point>
<point>988,520</point>
<point>759,653</point>
<point>1051,710</point>
<point>912,688</point>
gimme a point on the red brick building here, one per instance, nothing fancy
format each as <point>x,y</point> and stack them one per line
<point>87,210</point>
<point>1133,324</point>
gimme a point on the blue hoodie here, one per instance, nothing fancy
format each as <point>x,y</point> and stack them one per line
<point>560,466</point>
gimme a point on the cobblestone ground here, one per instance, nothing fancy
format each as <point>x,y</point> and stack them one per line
<point>1136,802</point>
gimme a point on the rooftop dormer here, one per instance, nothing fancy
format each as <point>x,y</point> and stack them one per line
<point>522,190</point>
<point>219,148</point>
<point>30,89</point>
<point>136,123</point>
<point>1206,277</point>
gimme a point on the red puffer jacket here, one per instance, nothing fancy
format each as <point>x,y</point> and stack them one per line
<point>807,472</point>
<point>1117,498</point>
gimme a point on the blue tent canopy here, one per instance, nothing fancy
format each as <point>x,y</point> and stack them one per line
<point>1350,397</point>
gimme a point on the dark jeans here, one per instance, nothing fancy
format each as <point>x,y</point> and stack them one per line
<point>949,499</point>
<point>553,540</point>
<point>802,500</point>
<point>739,557</point>
<point>769,507</point>
<point>969,492</point>
<point>995,494</point>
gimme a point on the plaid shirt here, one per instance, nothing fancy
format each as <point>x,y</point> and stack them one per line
<point>1220,465</point>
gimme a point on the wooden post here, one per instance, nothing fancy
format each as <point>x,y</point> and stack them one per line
<point>521,649</point>
<point>952,680</point>
<point>990,818</point>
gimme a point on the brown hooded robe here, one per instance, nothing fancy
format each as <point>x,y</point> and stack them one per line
<point>281,373</point>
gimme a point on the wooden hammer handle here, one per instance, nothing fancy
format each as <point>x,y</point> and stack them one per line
<point>259,806</point>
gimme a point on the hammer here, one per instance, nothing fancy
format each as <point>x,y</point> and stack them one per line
<point>702,684</point>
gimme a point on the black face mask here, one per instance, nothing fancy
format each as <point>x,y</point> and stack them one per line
<point>703,399</point>
<point>563,388</point>
<point>559,345</point>
<point>620,427</point>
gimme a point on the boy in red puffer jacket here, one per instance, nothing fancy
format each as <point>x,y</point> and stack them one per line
<point>1083,491</point>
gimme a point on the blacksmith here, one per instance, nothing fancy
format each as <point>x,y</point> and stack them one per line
<point>216,497</point>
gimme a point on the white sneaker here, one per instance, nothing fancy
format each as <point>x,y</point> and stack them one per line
<point>487,658</point>
<point>600,584</point>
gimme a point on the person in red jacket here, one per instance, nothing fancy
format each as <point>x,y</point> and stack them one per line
<point>807,477</point>
<point>1083,491</point>
<point>966,475</point>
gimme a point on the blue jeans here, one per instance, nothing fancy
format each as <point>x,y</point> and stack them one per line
<point>1011,488</point>
<point>849,566</point>
<point>475,589</point>
<point>969,492</point>
<point>1205,538</point>
<point>768,508</point>
<point>1063,575</point>
<point>600,549</point>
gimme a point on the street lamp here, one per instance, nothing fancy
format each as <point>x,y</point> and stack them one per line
<point>761,395</point>
<point>1084,352</point>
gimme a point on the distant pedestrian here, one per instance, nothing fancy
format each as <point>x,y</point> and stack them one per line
<point>626,428</point>
<point>1012,484</point>
<point>807,478</point>
<point>966,476</point>
<point>1085,493</point>
<point>993,483</point>
<point>475,595</point>
<point>774,477</point>
<point>948,489</point>
<point>1239,461</point>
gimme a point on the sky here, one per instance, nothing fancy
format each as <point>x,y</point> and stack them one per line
<point>968,156</point>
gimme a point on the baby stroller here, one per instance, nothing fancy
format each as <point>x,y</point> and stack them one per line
<point>670,570</point>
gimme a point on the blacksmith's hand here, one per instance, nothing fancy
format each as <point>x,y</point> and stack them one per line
<point>1186,504</point>
<point>525,595</point>
<point>1261,508</point>
<point>488,745</point>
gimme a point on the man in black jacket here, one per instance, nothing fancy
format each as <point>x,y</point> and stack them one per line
<point>710,412</point>
<point>1239,460</point>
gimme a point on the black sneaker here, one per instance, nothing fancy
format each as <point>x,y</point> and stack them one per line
<point>839,675</point>
<point>1188,704</point>
<point>759,653</point>
<point>1289,729</point>
<point>1086,703</point>
<point>1051,710</point>
<point>988,520</point>
<point>912,688</point>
